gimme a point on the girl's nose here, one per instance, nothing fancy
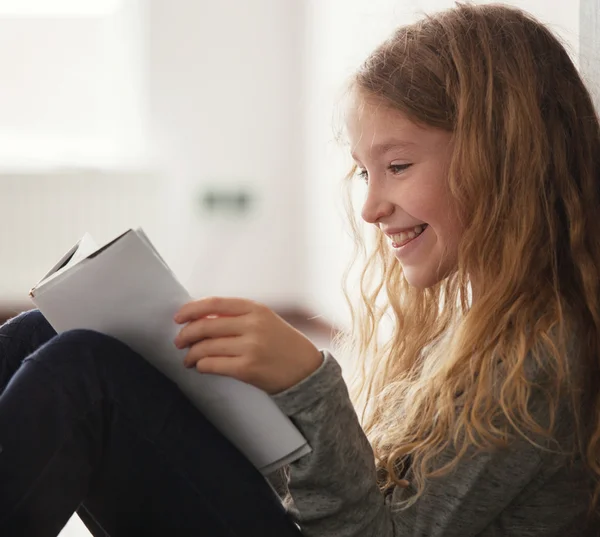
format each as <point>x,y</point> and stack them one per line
<point>376,206</point>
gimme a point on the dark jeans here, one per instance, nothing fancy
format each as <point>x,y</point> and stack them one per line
<point>88,425</point>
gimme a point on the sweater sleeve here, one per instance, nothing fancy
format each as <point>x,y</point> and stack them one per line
<point>333,490</point>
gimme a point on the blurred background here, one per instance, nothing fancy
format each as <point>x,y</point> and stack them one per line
<point>210,124</point>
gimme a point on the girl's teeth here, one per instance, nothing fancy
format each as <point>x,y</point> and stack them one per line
<point>407,235</point>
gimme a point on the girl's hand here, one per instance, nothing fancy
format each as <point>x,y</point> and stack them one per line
<point>247,341</point>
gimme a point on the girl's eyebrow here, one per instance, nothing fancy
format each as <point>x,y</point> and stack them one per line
<point>384,147</point>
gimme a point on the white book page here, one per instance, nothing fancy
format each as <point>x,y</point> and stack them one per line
<point>128,292</point>
<point>86,246</point>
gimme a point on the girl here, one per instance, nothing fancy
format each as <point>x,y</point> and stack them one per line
<point>480,148</point>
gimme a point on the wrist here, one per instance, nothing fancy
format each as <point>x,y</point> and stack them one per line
<point>306,368</point>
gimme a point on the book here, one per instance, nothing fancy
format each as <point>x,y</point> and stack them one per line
<point>126,290</point>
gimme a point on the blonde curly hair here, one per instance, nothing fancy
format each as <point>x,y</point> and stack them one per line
<point>525,176</point>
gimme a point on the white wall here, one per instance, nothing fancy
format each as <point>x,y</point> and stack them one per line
<point>202,95</point>
<point>589,38</point>
<point>340,34</point>
<point>225,109</point>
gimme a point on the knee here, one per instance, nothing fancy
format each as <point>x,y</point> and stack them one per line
<point>85,361</point>
<point>86,338</point>
<point>83,349</point>
<point>30,317</point>
<point>89,345</point>
<point>29,326</point>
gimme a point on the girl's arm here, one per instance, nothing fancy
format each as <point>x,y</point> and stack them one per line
<point>333,490</point>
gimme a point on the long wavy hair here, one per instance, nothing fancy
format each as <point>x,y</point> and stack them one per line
<point>525,177</point>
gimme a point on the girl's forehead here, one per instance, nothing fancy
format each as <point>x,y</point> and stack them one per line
<point>374,128</point>
<point>375,118</point>
<point>369,111</point>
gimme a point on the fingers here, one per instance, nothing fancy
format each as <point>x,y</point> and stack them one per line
<point>213,306</point>
<point>221,365</point>
<point>216,327</point>
<point>226,347</point>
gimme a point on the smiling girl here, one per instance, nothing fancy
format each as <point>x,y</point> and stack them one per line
<point>479,415</point>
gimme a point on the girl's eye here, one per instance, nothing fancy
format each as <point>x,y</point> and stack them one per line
<point>398,168</point>
<point>363,174</point>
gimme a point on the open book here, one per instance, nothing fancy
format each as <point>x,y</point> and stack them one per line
<point>126,290</point>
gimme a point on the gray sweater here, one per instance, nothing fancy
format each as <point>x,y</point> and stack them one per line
<point>523,491</point>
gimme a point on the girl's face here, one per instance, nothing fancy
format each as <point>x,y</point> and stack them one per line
<point>405,167</point>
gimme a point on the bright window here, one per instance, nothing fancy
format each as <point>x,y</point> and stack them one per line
<point>72,87</point>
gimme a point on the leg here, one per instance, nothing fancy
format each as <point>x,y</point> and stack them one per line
<point>19,337</point>
<point>87,423</point>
